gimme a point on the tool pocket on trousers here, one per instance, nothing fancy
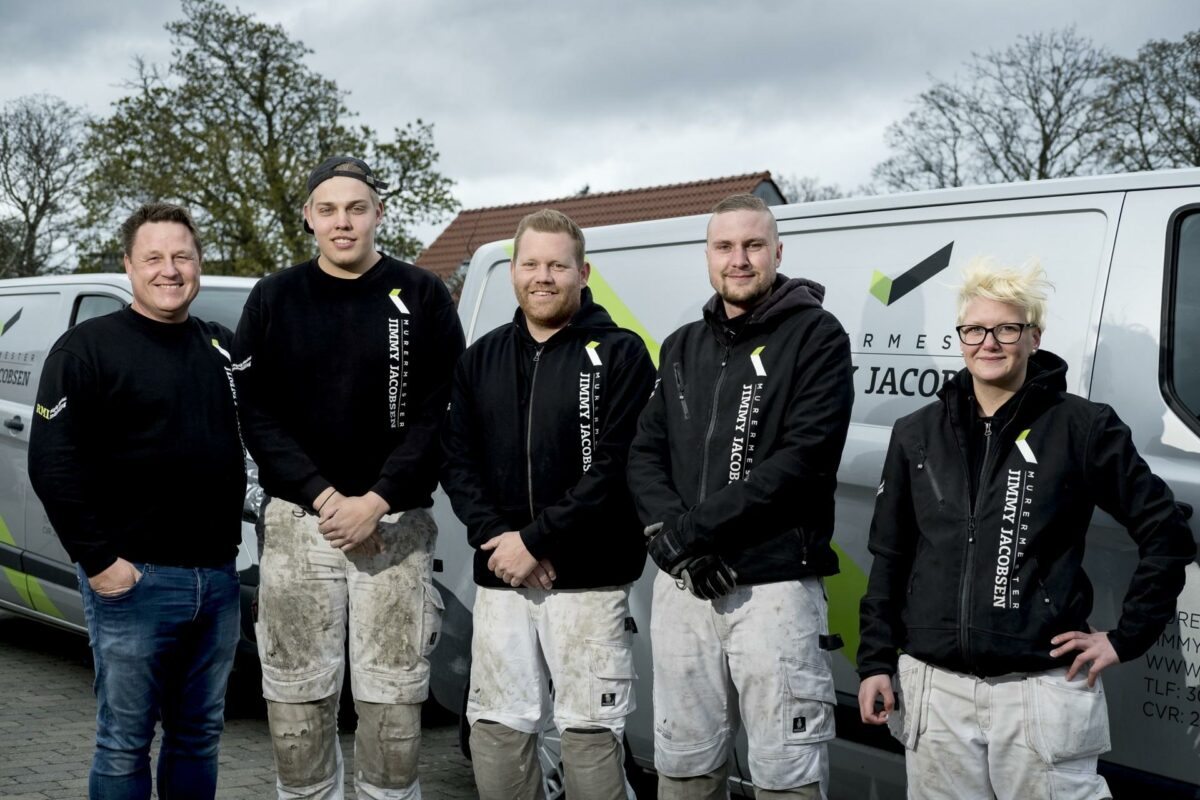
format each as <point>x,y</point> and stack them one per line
<point>807,702</point>
<point>431,618</point>
<point>1065,720</point>
<point>612,678</point>
<point>911,686</point>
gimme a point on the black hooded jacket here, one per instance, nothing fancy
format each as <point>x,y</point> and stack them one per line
<point>738,449</point>
<point>980,584</point>
<point>536,441</point>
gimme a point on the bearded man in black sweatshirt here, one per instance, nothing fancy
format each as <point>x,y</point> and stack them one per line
<point>733,469</point>
<point>343,364</point>
<point>145,397</point>
<point>542,412</point>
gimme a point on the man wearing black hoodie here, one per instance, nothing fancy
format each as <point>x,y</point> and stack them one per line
<point>733,469</point>
<point>541,415</point>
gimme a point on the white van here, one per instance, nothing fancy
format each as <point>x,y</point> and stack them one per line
<point>38,579</point>
<point>1124,254</point>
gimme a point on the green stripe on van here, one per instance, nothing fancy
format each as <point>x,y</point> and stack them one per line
<point>845,590</point>
<point>603,294</point>
<point>29,588</point>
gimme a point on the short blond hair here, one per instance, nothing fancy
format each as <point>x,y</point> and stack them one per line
<point>548,220</point>
<point>1024,288</point>
<point>746,202</point>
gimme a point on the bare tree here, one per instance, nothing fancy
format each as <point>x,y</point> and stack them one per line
<point>1029,112</point>
<point>42,162</point>
<point>1154,103</point>
<point>807,189</point>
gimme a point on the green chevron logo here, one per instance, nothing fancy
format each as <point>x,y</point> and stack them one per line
<point>6,327</point>
<point>888,290</point>
<point>395,295</point>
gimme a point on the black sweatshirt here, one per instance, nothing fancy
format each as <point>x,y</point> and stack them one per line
<point>134,449</point>
<point>738,449</point>
<point>344,382</point>
<point>979,581</point>
<point>537,440</point>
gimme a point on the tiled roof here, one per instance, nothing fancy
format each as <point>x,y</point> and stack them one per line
<point>478,226</point>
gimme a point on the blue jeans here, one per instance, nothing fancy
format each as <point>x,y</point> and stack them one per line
<point>163,651</point>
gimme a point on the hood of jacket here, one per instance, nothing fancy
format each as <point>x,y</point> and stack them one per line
<point>787,296</point>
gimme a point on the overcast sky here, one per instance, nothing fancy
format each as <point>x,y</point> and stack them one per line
<point>534,100</point>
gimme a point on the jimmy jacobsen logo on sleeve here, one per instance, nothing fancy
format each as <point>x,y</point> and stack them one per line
<point>745,429</point>
<point>397,362</point>
<point>589,408</point>
<point>1014,528</point>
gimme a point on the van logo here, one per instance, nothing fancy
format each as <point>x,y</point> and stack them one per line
<point>395,295</point>
<point>593,356</point>
<point>756,360</point>
<point>1023,446</point>
<point>6,326</point>
<point>888,290</point>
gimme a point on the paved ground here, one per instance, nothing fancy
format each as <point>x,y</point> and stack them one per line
<point>47,724</point>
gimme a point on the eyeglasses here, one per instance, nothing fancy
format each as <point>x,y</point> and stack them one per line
<point>1004,333</point>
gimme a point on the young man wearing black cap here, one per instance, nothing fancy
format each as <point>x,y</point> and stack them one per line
<point>343,363</point>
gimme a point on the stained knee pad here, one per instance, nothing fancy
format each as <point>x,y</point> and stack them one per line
<point>505,762</point>
<point>592,764</point>
<point>304,736</point>
<point>709,786</point>
<point>387,744</point>
<point>810,792</point>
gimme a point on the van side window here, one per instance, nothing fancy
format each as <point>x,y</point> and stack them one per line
<point>95,305</point>
<point>1183,316</point>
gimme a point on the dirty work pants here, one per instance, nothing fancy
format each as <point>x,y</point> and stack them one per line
<point>760,644</point>
<point>1028,736</point>
<point>162,649</point>
<point>308,593</point>
<point>524,639</point>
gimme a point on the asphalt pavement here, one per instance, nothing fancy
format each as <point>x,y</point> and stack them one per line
<point>48,723</point>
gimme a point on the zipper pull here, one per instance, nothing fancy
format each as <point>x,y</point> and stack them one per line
<point>987,427</point>
<point>970,530</point>
<point>537,354</point>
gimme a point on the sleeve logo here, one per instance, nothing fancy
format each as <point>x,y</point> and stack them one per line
<point>51,413</point>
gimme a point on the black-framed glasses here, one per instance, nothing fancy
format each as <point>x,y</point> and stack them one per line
<point>1004,333</point>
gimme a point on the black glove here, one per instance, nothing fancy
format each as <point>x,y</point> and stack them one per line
<point>666,548</point>
<point>708,577</point>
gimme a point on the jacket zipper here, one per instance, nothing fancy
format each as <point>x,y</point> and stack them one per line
<point>679,387</point>
<point>537,357</point>
<point>712,424</point>
<point>968,571</point>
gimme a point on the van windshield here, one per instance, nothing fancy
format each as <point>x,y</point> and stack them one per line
<point>223,305</point>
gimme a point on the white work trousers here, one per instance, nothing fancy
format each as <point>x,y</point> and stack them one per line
<point>309,591</point>
<point>1027,736</point>
<point>525,638</point>
<point>761,645</point>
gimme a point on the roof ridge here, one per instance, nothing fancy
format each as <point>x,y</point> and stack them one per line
<point>762,175</point>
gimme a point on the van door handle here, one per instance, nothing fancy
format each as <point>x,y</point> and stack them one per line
<point>14,424</point>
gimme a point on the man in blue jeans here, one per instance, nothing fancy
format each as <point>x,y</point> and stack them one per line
<point>136,455</point>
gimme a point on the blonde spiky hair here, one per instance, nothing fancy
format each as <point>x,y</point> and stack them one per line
<point>1021,288</point>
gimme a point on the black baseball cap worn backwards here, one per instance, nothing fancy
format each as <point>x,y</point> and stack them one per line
<point>343,167</point>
